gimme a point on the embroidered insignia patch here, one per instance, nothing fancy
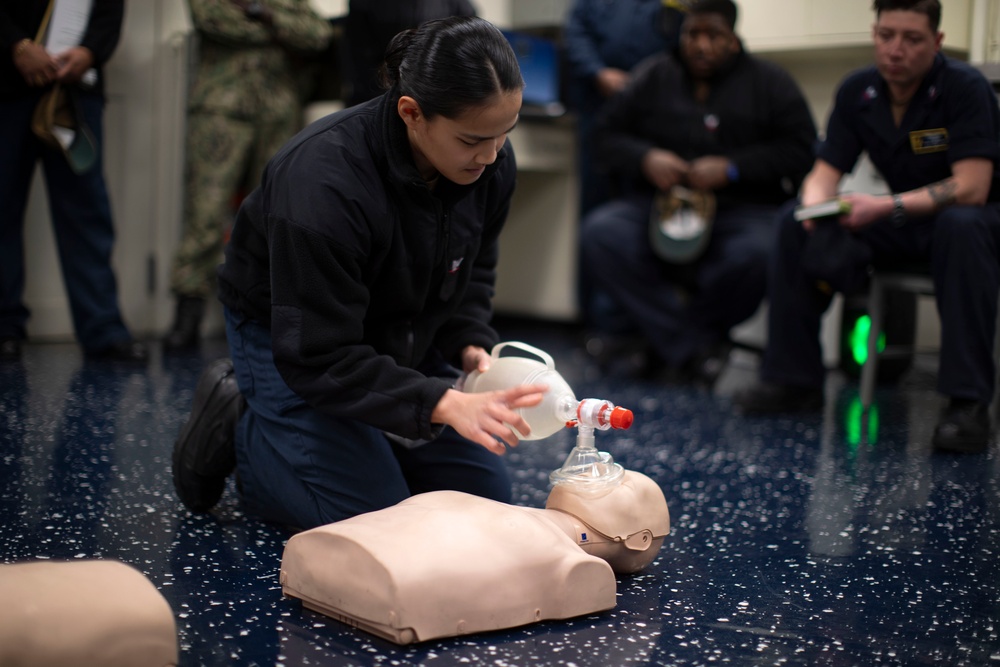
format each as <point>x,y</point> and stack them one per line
<point>929,141</point>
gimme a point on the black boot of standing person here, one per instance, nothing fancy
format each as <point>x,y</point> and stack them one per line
<point>187,324</point>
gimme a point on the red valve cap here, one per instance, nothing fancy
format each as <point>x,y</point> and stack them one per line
<point>621,418</point>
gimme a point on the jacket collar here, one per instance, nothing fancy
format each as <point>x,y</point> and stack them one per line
<point>928,91</point>
<point>875,96</point>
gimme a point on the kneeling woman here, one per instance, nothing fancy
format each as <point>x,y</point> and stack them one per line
<point>357,283</point>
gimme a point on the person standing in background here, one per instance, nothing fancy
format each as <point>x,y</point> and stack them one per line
<point>78,197</point>
<point>371,25</point>
<point>244,104</point>
<point>603,40</point>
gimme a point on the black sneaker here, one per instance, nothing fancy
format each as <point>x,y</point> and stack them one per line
<point>620,352</point>
<point>10,349</point>
<point>708,363</point>
<point>185,332</point>
<point>124,351</point>
<point>964,428</point>
<point>768,398</point>
<point>205,451</point>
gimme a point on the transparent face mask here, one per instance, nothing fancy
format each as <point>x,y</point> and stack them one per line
<point>587,470</point>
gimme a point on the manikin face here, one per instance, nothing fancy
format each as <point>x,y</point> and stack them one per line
<point>707,44</point>
<point>905,47</point>
<point>625,524</point>
<point>459,148</point>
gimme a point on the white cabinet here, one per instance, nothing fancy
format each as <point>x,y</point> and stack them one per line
<point>538,13</point>
<point>537,272</point>
<point>808,25</point>
<point>494,11</point>
<point>518,14</point>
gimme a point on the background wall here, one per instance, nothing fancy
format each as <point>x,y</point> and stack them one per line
<point>818,41</point>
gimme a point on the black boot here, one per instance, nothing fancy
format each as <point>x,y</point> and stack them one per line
<point>187,324</point>
<point>964,428</point>
<point>205,451</point>
<point>766,398</point>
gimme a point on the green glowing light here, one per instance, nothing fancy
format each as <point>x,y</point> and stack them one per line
<point>854,418</point>
<point>852,425</point>
<point>858,340</point>
<point>873,424</point>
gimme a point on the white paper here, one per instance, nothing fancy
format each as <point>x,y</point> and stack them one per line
<point>66,28</point>
<point>63,135</point>
<point>830,207</point>
<point>67,25</point>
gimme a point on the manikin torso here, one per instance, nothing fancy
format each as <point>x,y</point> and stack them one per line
<point>447,563</point>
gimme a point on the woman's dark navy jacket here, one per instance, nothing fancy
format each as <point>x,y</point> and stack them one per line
<point>361,273</point>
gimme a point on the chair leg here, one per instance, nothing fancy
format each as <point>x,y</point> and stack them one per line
<point>995,403</point>
<point>870,367</point>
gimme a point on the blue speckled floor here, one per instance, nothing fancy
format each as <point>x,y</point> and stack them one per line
<point>794,541</point>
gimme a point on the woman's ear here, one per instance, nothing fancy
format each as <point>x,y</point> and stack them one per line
<point>409,111</point>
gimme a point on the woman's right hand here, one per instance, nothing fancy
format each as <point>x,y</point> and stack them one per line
<point>486,418</point>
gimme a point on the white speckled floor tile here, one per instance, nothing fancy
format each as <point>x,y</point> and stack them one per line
<point>795,541</point>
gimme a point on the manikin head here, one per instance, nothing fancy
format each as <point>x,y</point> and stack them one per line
<point>624,526</point>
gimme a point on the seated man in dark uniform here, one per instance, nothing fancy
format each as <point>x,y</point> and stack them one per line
<point>930,126</point>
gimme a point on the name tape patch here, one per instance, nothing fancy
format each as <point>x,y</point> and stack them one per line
<point>929,141</point>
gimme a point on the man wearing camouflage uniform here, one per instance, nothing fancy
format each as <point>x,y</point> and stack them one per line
<point>244,104</point>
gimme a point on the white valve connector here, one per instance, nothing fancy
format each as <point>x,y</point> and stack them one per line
<point>587,470</point>
<point>595,413</point>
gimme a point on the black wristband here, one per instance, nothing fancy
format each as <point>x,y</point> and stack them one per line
<point>898,217</point>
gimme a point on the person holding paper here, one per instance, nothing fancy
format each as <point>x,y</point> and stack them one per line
<point>707,122</point>
<point>930,126</point>
<point>78,196</point>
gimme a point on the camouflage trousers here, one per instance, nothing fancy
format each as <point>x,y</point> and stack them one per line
<point>224,154</point>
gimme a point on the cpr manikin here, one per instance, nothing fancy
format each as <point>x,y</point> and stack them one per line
<point>447,563</point>
<point>82,613</point>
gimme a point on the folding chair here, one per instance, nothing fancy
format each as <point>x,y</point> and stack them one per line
<point>882,282</point>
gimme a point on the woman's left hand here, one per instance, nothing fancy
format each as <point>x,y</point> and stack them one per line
<point>475,358</point>
<point>489,418</point>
